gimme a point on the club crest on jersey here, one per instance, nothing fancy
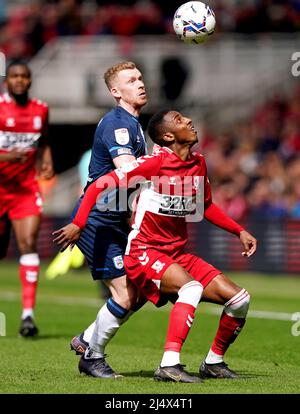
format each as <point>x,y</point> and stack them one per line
<point>122,136</point>
<point>37,122</point>
<point>118,262</point>
<point>10,122</point>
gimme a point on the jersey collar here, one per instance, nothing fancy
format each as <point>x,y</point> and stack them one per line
<point>128,113</point>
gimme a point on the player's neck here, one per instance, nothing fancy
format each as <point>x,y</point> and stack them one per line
<point>129,108</point>
<point>21,100</point>
<point>183,151</point>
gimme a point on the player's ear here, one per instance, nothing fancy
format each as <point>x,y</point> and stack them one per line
<point>115,92</point>
<point>168,137</point>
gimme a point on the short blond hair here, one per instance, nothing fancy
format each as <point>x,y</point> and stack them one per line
<point>114,70</point>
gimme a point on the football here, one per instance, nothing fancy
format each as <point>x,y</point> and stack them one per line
<point>194,22</point>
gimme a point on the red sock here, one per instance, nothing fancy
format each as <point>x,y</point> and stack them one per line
<point>228,330</point>
<point>29,279</point>
<point>181,319</point>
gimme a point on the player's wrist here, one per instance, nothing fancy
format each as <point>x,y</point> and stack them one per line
<point>240,230</point>
<point>78,223</point>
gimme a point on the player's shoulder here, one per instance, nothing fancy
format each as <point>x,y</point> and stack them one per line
<point>198,156</point>
<point>159,153</point>
<point>5,98</point>
<point>112,120</point>
<point>39,103</point>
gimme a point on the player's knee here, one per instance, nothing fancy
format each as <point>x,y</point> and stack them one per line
<point>126,298</point>
<point>238,305</point>
<point>190,293</point>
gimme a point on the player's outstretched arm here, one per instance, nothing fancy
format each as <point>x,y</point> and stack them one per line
<point>138,171</point>
<point>216,216</point>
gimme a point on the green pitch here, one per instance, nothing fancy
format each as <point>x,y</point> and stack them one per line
<point>266,354</point>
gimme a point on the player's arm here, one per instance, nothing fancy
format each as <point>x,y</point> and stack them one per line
<point>122,160</point>
<point>128,176</point>
<point>14,155</point>
<point>218,217</point>
<point>45,164</point>
<point>46,169</point>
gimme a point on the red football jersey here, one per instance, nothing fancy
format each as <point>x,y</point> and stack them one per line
<point>174,191</point>
<point>20,127</point>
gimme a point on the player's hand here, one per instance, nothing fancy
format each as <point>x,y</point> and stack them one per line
<point>15,155</point>
<point>67,236</point>
<point>249,242</point>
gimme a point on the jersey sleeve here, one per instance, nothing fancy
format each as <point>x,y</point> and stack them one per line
<point>207,188</point>
<point>44,140</point>
<point>138,171</point>
<point>118,140</point>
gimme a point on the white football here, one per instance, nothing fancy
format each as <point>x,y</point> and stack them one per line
<point>194,22</point>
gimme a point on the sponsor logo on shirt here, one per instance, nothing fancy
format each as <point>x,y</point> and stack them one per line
<point>176,205</point>
<point>122,136</point>
<point>22,140</point>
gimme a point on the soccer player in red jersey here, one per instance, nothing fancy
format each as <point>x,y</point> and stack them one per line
<point>24,153</point>
<point>174,188</point>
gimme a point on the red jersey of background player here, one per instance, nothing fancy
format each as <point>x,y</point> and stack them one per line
<point>21,127</point>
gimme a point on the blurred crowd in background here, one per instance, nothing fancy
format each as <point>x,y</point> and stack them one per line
<point>254,166</point>
<point>25,26</point>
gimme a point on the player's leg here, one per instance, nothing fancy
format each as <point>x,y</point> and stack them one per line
<point>26,232</point>
<point>104,247</point>
<point>112,315</point>
<point>5,226</point>
<point>177,280</point>
<point>236,300</point>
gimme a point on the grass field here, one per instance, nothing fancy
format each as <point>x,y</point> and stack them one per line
<point>266,354</point>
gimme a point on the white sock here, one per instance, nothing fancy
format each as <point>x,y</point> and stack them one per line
<point>170,358</point>
<point>91,354</point>
<point>213,358</point>
<point>27,312</point>
<point>87,334</point>
<point>105,329</point>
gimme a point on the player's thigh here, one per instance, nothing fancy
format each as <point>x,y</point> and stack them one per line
<point>220,290</point>
<point>26,231</point>
<point>174,278</point>
<point>122,290</point>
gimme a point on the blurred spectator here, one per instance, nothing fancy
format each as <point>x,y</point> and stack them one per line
<point>26,27</point>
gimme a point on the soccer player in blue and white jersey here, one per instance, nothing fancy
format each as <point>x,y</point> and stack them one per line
<point>118,140</point>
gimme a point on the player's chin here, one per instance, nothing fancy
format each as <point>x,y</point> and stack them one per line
<point>194,138</point>
<point>19,91</point>
<point>142,100</point>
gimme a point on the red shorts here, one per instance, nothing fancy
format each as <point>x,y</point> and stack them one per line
<point>21,204</point>
<point>145,269</point>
